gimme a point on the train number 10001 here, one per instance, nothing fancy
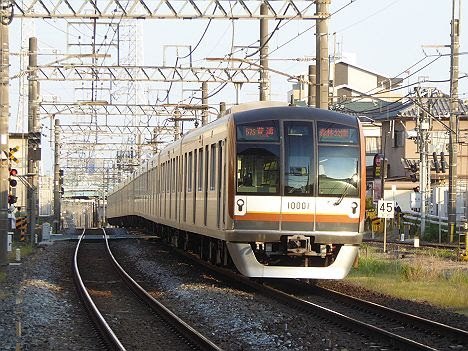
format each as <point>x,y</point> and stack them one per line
<point>298,205</point>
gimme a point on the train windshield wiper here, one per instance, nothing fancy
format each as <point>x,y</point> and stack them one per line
<point>345,191</point>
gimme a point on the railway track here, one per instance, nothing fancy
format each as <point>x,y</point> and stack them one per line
<point>394,328</point>
<point>422,245</point>
<point>125,315</point>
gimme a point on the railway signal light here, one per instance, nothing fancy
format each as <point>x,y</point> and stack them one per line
<point>443,164</point>
<point>414,168</point>
<point>13,173</point>
<point>436,162</point>
<point>13,183</point>
<point>12,199</point>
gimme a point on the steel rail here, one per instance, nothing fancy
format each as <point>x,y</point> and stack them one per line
<point>347,321</point>
<point>98,320</point>
<point>411,319</point>
<point>182,327</point>
<point>422,245</point>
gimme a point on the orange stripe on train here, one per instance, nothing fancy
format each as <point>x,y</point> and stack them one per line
<point>276,217</point>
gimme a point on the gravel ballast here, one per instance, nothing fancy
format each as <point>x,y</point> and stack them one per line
<point>234,317</point>
<point>40,295</point>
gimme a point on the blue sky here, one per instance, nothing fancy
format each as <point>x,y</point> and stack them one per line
<point>385,36</point>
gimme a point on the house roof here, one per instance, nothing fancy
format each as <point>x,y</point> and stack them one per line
<point>380,110</point>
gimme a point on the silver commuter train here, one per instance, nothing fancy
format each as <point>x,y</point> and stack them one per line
<point>279,191</point>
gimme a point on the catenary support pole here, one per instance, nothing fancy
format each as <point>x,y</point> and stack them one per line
<point>33,147</point>
<point>321,50</point>
<point>312,85</point>
<point>4,114</point>
<point>57,193</point>
<point>264,74</point>
<point>205,103</point>
<point>453,146</point>
<point>222,109</point>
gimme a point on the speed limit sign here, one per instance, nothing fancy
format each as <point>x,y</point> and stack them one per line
<point>385,209</point>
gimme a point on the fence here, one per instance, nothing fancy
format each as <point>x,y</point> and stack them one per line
<point>412,218</point>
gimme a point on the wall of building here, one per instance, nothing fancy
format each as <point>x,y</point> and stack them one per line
<point>361,80</point>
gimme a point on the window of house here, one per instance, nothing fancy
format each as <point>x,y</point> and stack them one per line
<point>398,138</point>
<point>373,145</point>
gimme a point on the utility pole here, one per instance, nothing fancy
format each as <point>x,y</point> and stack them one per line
<point>222,109</point>
<point>57,190</point>
<point>33,140</point>
<point>424,167</point>
<point>453,146</point>
<point>4,115</point>
<point>321,50</point>
<point>205,103</point>
<point>312,85</point>
<point>264,74</point>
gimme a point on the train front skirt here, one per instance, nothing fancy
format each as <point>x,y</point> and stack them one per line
<point>247,264</point>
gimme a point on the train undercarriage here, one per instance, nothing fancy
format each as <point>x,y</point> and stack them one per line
<point>287,257</point>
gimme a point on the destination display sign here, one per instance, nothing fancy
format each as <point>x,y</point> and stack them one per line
<point>337,134</point>
<point>259,132</point>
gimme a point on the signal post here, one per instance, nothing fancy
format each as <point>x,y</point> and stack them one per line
<point>34,149</point>
<point>4,115</point>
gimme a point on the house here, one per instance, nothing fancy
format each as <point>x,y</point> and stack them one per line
<point>399,132</point>
<point>348,82</point>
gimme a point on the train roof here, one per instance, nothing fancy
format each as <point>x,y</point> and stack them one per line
<point>249,112</point>
<point>294,112</point>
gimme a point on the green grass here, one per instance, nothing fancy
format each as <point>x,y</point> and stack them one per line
<point>26,250</point>
<point>421,279</point>
<point>2,276</point>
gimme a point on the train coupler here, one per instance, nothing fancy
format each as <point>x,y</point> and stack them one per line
<point>298,244</point>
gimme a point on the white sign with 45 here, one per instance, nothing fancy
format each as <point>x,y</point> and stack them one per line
<point>385,209</point>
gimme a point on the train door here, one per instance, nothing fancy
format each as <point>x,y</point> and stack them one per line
<point>219,184</point>
<point>298,200</point>
<point>205,190</point>
<point>195,164</point>
<point>185,187</point>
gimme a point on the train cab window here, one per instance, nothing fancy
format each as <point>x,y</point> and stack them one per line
<point>338,160</point>
<point>299,158</point>
<point>258,157</point>
<point>258,168</point>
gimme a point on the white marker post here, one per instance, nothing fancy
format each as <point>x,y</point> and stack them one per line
<point>385,209</point>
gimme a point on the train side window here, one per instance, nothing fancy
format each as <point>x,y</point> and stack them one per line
<point>189,172</point>
<point>173,174</point>
<point>200,169</point>
<point>157,179</point>
<point>167,176</point>
<point>213,167</point>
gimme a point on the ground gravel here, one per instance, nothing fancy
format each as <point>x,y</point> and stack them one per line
<point>234,317</point>
<point>424,310</point>
<point>41,296</point>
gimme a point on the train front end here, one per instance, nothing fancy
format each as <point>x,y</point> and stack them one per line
<point>298,194</point>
